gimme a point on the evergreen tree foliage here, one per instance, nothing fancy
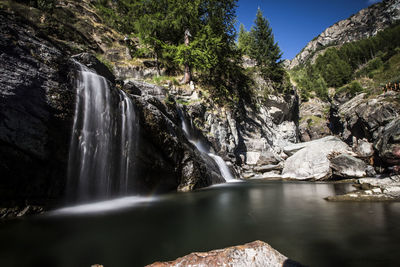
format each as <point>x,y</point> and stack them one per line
<point>338,66</point>
<point>244,40</point>
<point>263,47</point>
<point>264,50</point>
<point>46,5</point>
<point>160,25</point>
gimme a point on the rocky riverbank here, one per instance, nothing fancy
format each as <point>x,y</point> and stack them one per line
<point>373,189</point>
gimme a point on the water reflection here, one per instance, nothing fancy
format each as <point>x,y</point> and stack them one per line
<point>291,217</point>
<point>104,206</point>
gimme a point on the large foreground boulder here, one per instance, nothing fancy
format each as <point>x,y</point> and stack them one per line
<point>312,160</point>
<point>256,253</point>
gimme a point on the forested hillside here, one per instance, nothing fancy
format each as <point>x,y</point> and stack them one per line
<point>210,53</point>
<point>189,41</point>
<point>366,65</point>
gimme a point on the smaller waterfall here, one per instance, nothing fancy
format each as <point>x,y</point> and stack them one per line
<point>103,139</point>
<point>223,168</point>
<point>128,136</point>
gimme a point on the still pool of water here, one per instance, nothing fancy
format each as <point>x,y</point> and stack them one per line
<point>292,217</point>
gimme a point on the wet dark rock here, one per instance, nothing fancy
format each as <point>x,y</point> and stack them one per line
<point>90,61</point>
<point>167,160</point>
<point>36,112</point>
<point>20,211</point>
<point>132,89</point>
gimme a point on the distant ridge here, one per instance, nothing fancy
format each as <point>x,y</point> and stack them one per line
<point>366,23</point>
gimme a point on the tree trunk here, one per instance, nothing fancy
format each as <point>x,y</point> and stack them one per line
<point>187,77</point>
<point>158,66</point>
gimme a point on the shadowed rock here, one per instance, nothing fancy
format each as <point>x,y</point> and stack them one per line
<point>388,143</point>
<point>348,166</point>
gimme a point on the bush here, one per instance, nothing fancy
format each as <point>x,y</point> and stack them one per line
<point>371,68</point>
<point>46,5</point>
<point>338,66</point>
<point>353,88</point>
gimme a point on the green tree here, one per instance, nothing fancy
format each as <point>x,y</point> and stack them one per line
<point>264,50</point>
<point>46,5</point>
<point>244,40</point>
<point>161,24</point>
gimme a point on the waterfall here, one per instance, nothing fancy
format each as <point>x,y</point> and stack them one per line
<point>103,140</point>
<point>223,168</point>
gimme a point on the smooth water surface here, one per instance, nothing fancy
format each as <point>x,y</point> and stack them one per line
<point>292,217</point>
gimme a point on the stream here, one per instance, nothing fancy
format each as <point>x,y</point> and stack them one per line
<point>292,217</point>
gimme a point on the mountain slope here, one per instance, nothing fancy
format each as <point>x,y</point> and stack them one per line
<point>366,23</point>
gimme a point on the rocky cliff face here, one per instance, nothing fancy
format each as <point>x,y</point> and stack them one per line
<point>36,110</point>
<point>314,120</point>
<point>375,120</point>
<point>249,139</point>
<point>37,99</point>
<point>368,22</point>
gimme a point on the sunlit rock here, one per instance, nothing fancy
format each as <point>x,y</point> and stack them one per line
<point>311,159</point>
<point>256,253</point>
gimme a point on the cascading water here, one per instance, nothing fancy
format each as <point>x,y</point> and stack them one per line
<point>103,141</point>
<point>223,168</point>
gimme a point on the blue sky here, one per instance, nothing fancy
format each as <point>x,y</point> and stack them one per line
<point>294,22</point>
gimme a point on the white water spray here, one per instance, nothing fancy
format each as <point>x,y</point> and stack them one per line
<point>103,139</point>
<point>223,168</point>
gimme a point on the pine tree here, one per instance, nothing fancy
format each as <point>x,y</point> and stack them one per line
<point>264,50</point>
<point>244,40</point>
